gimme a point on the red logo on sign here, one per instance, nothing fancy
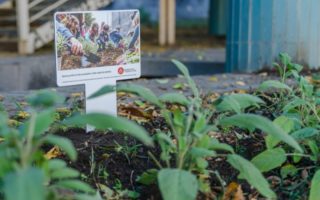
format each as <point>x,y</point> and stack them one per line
<point>120,70</point>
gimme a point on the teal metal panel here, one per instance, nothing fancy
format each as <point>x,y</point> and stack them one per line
<point>258,30</point>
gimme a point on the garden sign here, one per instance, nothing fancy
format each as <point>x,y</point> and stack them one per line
<point>95,49</point>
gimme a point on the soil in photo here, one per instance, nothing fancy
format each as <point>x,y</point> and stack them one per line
<point>109,57</point>
<point>70,62</point>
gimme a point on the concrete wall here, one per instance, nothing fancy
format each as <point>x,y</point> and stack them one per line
<point>259,30</point>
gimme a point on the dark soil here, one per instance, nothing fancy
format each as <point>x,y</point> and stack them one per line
<point>102,163</point>
<point>111,56</point>
<point>70,62</point>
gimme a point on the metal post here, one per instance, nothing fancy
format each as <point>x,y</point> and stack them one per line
<point>162,22</point>
<point>171,22</point>
<point>23,26</point>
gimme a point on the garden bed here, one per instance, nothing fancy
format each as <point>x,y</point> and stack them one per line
<point>239,144</point>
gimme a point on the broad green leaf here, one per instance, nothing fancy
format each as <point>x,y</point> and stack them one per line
<point>164,137</point>
<point>102,91</point>
<point>285,58</point>
<point>293,104</point>
<point>252,175</point>
<point>216,145</point>
<point>75,185</point>
<point>262,123</point>
<point>202,163</point>
<point>184,70</point>
<point>273,84</point>
<point>269,159</point>
<point>64,143</point>
<point>24,184</point>
<point>148,177</point>
<point>202,152</point>
<point>141,91</point>
<point>42,122</point>
<point>228,103</point>
<point>286,124</point>
<point>45,98</point>
<point>315,185</point>
<point>97,196</point>
<point>305,133</point>
<point>105,122</point>
<point>200,125</point>
<point>174,98</point>
<point>238,102</point>
<point>64,173</point>
<point>312,144</point>
<point>55,164</point>
<point>176,184</point>
<point>288,170</point>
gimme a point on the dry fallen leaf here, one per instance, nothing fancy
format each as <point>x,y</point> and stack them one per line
<point>233,192</point>
<point>12,122</point>
<point>241,91</point>
<point>241,83</point>
<point>63,110</point>
<point>23,115</point>
<point>135,113</point>
<point>53,153</point>
<point>213,78</point>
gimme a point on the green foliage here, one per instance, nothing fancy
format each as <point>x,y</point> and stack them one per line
<point>105,122</point>
<point>89,47</point>
<point>300,120</point>
<point>186,146</point>
<point>251,174</point>
<point>177,184</point>
<point>315,185</point>
<point>274,84</point>
<point>269,159</point>
<point>24,171</point>
<point>251,122</point>
<point>237,102</point>
<point>60,44</point>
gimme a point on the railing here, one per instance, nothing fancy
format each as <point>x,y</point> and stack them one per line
<point>29,40</point>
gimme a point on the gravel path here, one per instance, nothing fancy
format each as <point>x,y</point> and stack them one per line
<point>220,83</point>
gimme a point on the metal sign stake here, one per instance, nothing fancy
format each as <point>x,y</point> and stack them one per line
<point>104,104</point>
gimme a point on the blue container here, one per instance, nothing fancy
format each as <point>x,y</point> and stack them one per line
<point>258,30</point>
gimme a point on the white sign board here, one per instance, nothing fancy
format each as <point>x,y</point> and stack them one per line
<point>97,48</point>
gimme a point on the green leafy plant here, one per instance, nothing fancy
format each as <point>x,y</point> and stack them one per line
<point>186,146</point>
<point>24,171</point>
<point>299,118</point>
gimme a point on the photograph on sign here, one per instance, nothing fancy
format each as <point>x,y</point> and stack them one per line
<point>97,45</point>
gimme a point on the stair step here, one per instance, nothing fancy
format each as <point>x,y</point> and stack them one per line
<point>8,32</point>
<point>7,44</point>
<point>7,21</point>
<point>6,12</point>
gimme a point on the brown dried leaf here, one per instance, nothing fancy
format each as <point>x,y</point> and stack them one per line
<point>241,83</point>
<point>53,153</point>
<point>213,79</point>
<point>135,113</point>
<point>23,115</point>
<point>233,192</point>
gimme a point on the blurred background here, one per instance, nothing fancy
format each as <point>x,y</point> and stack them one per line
<point>209,36</point>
